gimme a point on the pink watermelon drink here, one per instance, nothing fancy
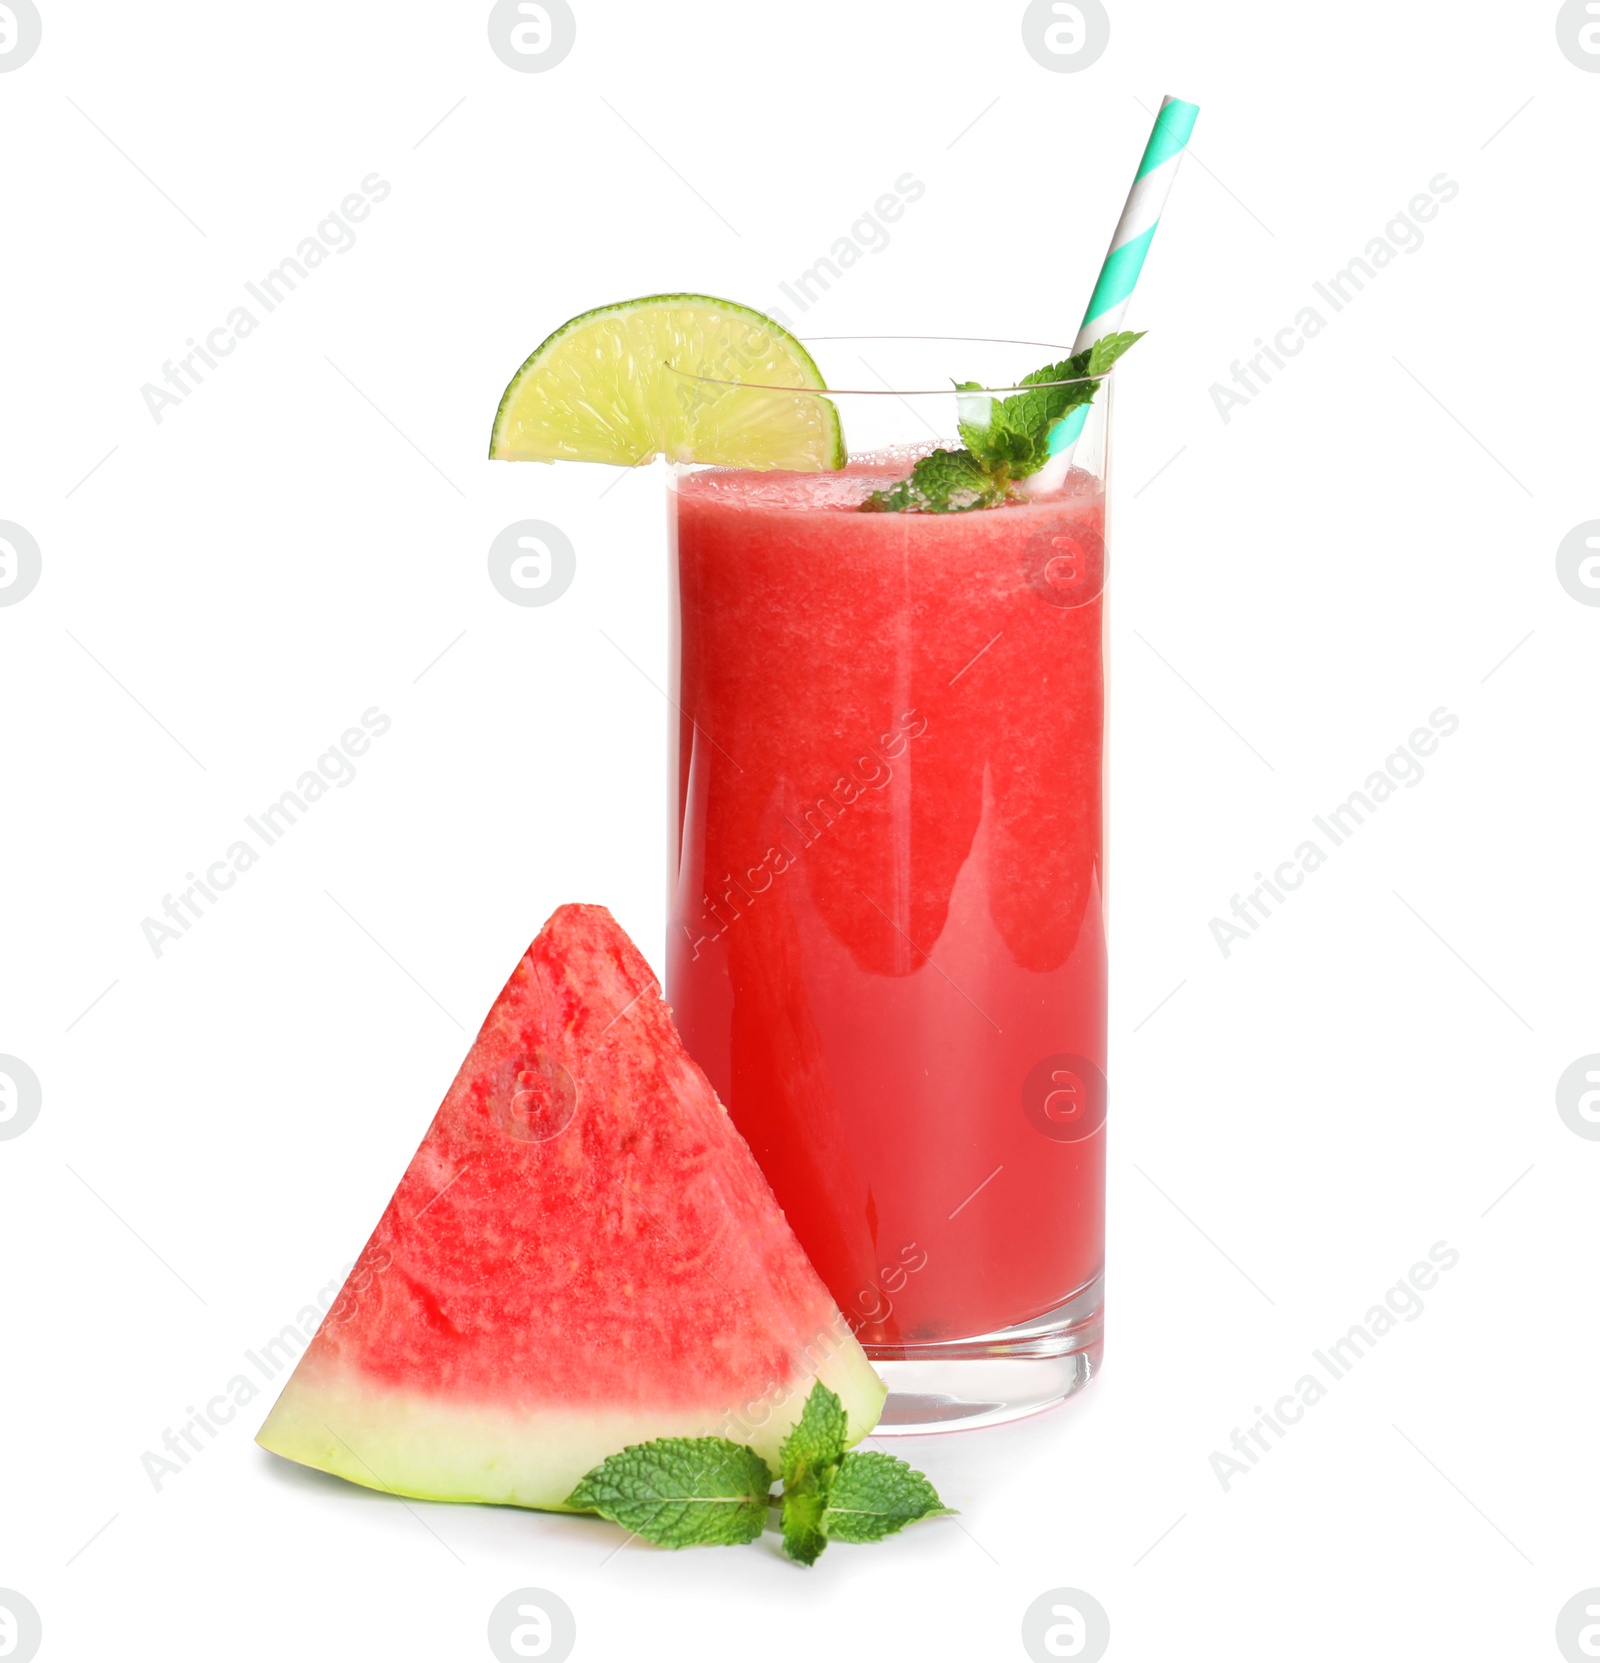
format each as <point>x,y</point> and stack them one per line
<point>887,943</point>
<point>887,946</point>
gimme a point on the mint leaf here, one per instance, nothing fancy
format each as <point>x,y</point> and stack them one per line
<point>945,482</point>
<point>1037,410</point>
<point>808,1460</point>
<point>681,1492</point>
<point>815,1441</point>
<point>874,1495</point>
<point>1109,348</point>
<point>1007,449</point>
<point>1034,412</point>
<point>1010,442</point>
<point>803,1535</point>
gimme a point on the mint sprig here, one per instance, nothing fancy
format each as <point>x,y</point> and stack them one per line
<point>694,1492</point>
<point>1006,441</point>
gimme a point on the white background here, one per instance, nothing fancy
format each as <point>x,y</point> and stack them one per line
<point>300,540</point>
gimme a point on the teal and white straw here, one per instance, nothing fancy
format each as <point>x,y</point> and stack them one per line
<point>1125,258</point>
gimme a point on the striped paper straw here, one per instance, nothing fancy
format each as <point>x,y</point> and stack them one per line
<point>1125,258</point>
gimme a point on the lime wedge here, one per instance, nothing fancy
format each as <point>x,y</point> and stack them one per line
<point>619,384</point>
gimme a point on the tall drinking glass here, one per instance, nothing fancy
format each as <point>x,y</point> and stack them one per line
<point>887,937</point>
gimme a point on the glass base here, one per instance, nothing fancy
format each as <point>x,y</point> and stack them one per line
<point>995,1377</point>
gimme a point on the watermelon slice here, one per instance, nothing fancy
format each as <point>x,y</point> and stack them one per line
<point>582,1255</point>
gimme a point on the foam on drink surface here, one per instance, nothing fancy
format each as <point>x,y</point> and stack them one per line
<point>844,489</point>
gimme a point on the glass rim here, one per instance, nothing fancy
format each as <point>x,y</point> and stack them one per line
<point>903,392</point>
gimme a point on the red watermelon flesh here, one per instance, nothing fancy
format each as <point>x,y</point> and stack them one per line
<point>582,1255</point>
